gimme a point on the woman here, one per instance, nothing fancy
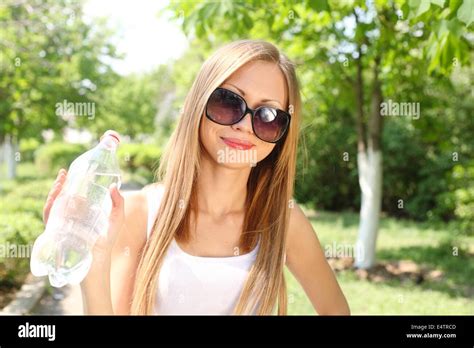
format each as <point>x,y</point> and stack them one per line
<point>213,236</point>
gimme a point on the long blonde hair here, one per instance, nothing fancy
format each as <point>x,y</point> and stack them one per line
<point>269,188</point>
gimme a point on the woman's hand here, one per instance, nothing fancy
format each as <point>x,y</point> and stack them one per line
<point>54,193</point>
<point>103,246</point>
<point>104,243</point>
<point>96,294</point>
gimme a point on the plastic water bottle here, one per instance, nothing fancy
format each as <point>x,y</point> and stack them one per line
<point>78,216</point>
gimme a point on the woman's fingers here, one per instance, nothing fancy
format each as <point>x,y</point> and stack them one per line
<point>117,199</point>
<point>53,193</point>
<point>105,242</point>
<point>117,213</point>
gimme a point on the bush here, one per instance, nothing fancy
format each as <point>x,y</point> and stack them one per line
<point>140,160</point>
<point>11,204</point>
<point>36,189</point>
<point>26,172</point>
<point>20,227</point>
<point>27,149</point>
<point>326,175</point>
<point>19,230</point>
<point>28,197</point>
<point>423,175</point>
<point>20,224</point>
<point>54,156</point>
<point>463,176</point>
<point>7,186</point>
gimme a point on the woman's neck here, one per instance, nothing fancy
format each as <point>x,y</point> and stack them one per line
<point>221,190</point>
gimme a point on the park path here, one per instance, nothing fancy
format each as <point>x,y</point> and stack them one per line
<point>60,301</point>
<point>68,299</point>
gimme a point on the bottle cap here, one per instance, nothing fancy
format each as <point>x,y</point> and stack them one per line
<point>111,133</point>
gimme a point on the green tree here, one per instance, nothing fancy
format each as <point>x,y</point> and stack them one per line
<point>353,53</point>
<point>48,54</point>
<point>133,104</point>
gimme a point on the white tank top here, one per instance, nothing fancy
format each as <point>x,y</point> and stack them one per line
<point>196,285</point>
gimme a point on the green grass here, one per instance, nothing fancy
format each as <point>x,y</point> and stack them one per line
<point>427,244</point>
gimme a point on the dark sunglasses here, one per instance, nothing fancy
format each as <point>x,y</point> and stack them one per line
<point>227,108</point>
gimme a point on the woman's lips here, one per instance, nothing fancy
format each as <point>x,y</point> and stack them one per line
<point>237,143</point>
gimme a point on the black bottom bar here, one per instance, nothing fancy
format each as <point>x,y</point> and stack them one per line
<point>136,331</point>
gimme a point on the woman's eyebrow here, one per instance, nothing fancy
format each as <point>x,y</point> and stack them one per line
<point>243,94</point>
<point>237,88</point>
<point>271,100</point>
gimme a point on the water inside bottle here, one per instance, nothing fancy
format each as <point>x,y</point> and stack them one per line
<point>78,216</point>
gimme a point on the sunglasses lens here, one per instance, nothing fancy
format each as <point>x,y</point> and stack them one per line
<point>225,107</point>
<point>270,124</point>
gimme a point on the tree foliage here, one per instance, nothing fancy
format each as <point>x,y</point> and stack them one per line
<point>425,50</point>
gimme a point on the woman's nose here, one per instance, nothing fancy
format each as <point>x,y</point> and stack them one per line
<point>245,124</point>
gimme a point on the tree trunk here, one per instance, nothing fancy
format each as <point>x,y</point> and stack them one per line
<point>369,164</point>
<point>10,150</point>
<point>370,180</point>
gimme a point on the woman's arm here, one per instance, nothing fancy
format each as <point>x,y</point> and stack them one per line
<point>108,287</point>
<point>305,259</point>
<point>95,287</point>
<point>127,251</point>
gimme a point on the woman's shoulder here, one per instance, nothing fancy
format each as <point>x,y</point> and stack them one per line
<point>137,199</point>
<point>136,207</point>
<point>156,186</point>
<point>299,229</point>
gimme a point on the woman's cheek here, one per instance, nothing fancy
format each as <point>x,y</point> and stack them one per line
<point>263,150</point>
<point>210,139</point>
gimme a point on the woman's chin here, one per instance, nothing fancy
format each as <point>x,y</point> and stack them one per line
<point>236,158</point>
<point>236,165</point>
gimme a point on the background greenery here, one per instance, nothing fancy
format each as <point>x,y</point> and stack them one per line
<point>50,54</point>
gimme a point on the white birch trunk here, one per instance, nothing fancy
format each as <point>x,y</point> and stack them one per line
<point>10,154</point>
<point>370,181</point>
